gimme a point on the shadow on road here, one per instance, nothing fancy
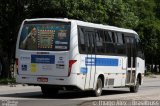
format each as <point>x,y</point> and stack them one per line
<point>63,94</point>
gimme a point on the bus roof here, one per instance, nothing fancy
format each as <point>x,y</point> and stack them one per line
<point>88,24</point>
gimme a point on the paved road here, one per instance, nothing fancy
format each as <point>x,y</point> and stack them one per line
<point>30,95</point>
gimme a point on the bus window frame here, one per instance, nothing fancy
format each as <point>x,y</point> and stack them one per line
<point>46,22</point>
<point>114,41</point>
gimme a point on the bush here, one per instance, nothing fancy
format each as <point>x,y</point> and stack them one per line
<point>7,81</point>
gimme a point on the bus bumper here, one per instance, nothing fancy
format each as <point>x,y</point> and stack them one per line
<point>48,80</point>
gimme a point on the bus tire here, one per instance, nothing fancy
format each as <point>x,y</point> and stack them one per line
<point>98,90</point>
<point>48,91</point>
<point>135,88</point>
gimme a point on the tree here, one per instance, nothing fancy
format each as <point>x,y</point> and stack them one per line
<point>120,14</point>
<point>140,15</point>
<point>9,23</point>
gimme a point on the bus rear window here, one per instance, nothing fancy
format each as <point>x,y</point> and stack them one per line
<point>47,36</point>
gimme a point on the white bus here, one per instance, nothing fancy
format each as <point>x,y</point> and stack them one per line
<point>58,54</point>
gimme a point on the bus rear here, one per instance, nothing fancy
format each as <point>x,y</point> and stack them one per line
<point>42,52</point>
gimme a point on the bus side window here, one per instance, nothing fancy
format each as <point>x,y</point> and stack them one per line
<point>120,38</point>
<point>89,37</point>
<point>113,37</point>
<point>110,46</point>
<point>123,38</point>
<point>82,44</point>
<point>99,42</point>
<point>107,42</point>
<point>120,46</point>
<point>108,39</point>
<point>110,35</point>
<point>91,44</point>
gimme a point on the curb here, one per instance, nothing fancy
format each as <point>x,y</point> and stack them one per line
<point>12,85</point>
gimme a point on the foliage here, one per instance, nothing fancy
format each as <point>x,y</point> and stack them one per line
<point>140,15</point>
<point>7,81</point>
<point>120,14</point>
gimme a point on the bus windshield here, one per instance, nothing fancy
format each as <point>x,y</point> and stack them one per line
<point>44,35</point>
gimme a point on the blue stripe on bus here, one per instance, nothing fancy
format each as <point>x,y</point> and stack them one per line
<point>83,70</point>
<point>43,59</point>
<point>101,61</point>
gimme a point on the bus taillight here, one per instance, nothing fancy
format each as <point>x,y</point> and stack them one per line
<point>71,62</point>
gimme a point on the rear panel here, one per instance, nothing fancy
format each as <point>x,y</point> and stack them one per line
<point>43,48</point>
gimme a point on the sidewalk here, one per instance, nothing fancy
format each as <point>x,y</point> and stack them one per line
<point>16,87</point>
<point>12,85</point>
<point>152,77</point>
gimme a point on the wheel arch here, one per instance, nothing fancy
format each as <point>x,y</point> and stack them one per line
<point>101,76</point>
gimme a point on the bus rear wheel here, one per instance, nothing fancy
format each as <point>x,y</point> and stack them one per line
<point>49,91</point>
<point>98,90</point>
<point>135,88</point>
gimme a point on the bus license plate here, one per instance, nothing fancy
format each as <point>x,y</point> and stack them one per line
<point>42,79</point>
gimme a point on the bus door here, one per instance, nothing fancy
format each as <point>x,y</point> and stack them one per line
<point>131,55</point>
<point>90,59</point>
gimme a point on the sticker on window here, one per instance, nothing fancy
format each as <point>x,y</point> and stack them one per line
<point>61,43</point>
<point>45,38</point>
<point>24,67</point>
<point>30,40</point>
<point>61,47</point>
<point>62,34</point>
<point>33,67</point>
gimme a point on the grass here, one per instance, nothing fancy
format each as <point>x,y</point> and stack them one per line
<point>7,80</point>
<point>149,73</point>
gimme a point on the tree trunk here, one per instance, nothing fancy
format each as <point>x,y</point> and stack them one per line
<point>5,67</point>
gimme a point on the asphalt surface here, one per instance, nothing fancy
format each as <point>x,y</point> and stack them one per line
<point>32,96</point>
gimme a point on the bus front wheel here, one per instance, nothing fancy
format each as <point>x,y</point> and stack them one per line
<point>135,88</point>
<point>99,85</point>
